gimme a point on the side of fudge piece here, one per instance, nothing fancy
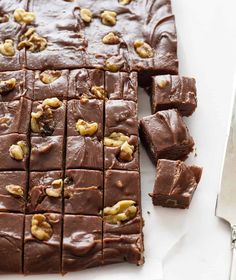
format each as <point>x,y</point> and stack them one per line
<point>14,152</point>
<point>13,187</point>
<point>45,192</point>
<point>83,192</point>
<point>165,135</point>
<point>42,243</point>
<point>15,116</point>
<point>82,242</point>
<point>11,241</point>
<point>175,184</point>
<point>51,83</point>
<point>174,92</point>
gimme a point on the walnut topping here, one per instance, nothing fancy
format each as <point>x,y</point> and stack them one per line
<point>122,211</point>
<point>32,41</point>
<point>114,63</point>
<point>111,39</point>
<point>109,18</point>
<point>86,128</point>
<point>56,188</point>
<point>125,2</point>
<point>19,150</point>
<point>40,228</point>
<point>53,102</point>
<point>4,18</point>
<point>162,83</point>
<point>144,50</point>
<point>86,15</point>
<point>126,151</point>
<point>99,92</point>
<point>21,16</point>
<point>8,85</point>
<point>7,48</point>
<point>116,139</point>
<point>15,190</point>
<point>49,76</point>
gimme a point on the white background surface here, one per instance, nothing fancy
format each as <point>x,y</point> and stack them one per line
<point>189,244</point>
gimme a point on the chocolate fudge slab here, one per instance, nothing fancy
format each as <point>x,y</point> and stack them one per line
<point>13,152</point>
<point>82,242</point>
<point>174,92</point>
<point>89,112</point>
<point>121,116</point>
<point>165,136</point>
<point>11,242</point>
<point>52,119</point>
<point>42,243</point>
<point>51,83</point>
<point>46,153</point>
<point>15,116</point>
<point>13,188</point>
<point>175,184</point>
<point>83,192</point>
<point>84,152</point>
<point>45,192</point>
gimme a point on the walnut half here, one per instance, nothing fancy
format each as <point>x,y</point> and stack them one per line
<point>86,15</point>
<point>126,151</point>
<point>56,188</point>
<point>15,190</point>
<point>116,139</point>
<point>99,92</point>
<point>111,39</point>
<point>21,16</point>
<point>7,48</point>
<point>143,49</point>
<point>109,18</point>
<point>49,76</point>
<point>40,228</point>
<point>8,85</point>
<point>86,128</point>
<point>19,150</point>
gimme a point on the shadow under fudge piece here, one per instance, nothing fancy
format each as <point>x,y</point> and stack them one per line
<point>174,92</point>
<point>42,243</point>
<point>175,184</point>
<point>166,136</point>
<point>91,112</point>
<point>13,187</point>
<point>45,192</point>
<point>84,152</point>
<point>13,152</point>
<point>83,192</point>
<point>51,83</point>
<point>82,242</point>
<point>11,241</point>
<point>121,116</point>
<point>15,116</point>
<point>46,153</point>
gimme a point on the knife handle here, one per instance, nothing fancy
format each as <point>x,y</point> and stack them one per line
<point>233,261</point>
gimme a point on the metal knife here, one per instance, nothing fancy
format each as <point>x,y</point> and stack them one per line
<point>226,201</point>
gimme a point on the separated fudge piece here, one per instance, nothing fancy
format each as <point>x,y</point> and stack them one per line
<point>174,92</point>
<point>83,192</point>
<point>15,116</point>
<point>16,84</point>
<point>86,83</point>
<point>11,241</point>
<point>175,184</point>
<point>51,83</point>
<point>48,117</point>
<point>42,243</point>
<point>165,135</point>
<point>121,85</point>
<point>82,242</point>
<point>45,192</point>
<point>121,116</point>
<point>14,152</point>
<point>84,152</point>
<point>13,187</point>
<point>85,117</point>
<point>46,153</point>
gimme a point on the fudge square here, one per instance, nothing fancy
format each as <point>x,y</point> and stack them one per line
<point>83,192</point>
<point>165,135</point>
<point>11,241</point>
<point>82,242</point>
<point>45,192</point>
<point>174,92</point>
<point>42,243</point>
<point>13,187</point>
<point>175,184</point>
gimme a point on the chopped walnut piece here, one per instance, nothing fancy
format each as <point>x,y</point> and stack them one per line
<point>7,48</point>
<point>19,150</point>
<point>8,85</point>
<point>86,128</point>
<point>15,190</point>
<point>86,15</point>
<point>4,18</point>
<point>21,16</point>
<point>40,228</point>
<point>162,83</point>
<point>32,41</point>
<point>111,39</point>
<point>56,188</point>
<point>99,92</point>
<point>116,139</point>
<point>109,18</point>
<point>126,151</point>
<point>114,63</point>
<point>143,49</point>
<point>53,102</point>
<point>49,76</point>
<point>125,2</point>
